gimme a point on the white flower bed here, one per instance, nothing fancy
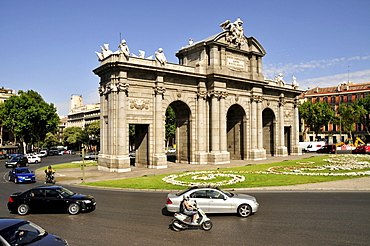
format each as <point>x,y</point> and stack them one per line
<point>336,163</point>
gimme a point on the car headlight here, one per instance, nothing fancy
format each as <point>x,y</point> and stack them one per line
<point>86,201</point>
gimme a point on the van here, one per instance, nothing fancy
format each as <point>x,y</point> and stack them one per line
<point>314,146</point>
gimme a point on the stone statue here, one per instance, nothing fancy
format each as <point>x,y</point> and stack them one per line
<point>279,78</point>
<point>235,32</point>
<point>123,49</point>
<point>160,57</point>
<point>105,52</point>
<point>294,81</point>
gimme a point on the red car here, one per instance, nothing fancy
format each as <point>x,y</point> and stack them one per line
<point>361,150</point>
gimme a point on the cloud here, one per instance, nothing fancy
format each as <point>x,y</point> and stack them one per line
<point>270,70</point>
<point>334,80</point>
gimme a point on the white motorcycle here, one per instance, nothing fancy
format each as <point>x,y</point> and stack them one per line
<point>183,221</point>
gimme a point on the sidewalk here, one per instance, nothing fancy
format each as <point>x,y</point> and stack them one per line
<point>92,174</point>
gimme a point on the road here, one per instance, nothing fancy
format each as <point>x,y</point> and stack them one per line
<point>137,218</point>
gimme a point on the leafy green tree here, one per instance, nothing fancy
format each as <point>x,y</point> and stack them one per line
<point>29,117</point>
<point>364,119</point>
<point>90,135</point>
<point>73,137</point>
<point>350,114</point>
<point>316,115</point>
<point>51,140</point>
<point>170,125</point>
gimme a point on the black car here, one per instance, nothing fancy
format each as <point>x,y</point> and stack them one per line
<point>19,161</point>
<point>50,199</point>
<point>23,232</point>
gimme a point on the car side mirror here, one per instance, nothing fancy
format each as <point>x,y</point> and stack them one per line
<point>225,198</point>
<point>31,171</point>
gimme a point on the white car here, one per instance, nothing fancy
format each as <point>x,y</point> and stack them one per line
<point>214,200</point>
<point>33,159</point>
<point>173,150</point>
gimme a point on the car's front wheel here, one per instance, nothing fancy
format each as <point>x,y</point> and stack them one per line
<point>244,210</point>
<point>73,208</point>
<point>23,209</point>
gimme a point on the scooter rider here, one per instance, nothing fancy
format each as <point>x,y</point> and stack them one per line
<point>189,209</point>
<point>49,173</point>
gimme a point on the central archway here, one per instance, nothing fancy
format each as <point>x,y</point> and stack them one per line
<point>235,132</point>
<point>182,138</point>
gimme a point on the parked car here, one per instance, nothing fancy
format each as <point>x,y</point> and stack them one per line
<point>21,175</point>
<point>314,146</point>
<point>361,150</point>
<point>330,149</point>
<point>3,156</point>
<point>172,150</point>
<point>33,159</point>
<point>214,200</point>
<point>43,153</point>
<point>20,161</point>
<point>50,198</point>
<point>23,232</point>
<point>91,156</point>
<point>53,152</point>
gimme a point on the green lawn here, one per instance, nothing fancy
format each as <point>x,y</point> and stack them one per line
<point>251,179</point>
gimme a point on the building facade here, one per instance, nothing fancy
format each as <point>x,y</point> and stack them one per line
<point>81,115</point>
<point>342,94</point>
<point>225,108</point>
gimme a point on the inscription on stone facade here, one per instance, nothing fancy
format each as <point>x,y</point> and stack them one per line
<point>138,104</point>
<point>235,63</point>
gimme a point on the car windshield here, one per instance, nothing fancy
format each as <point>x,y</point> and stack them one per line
<point>23,170</point>
<point>23,233</point>
<point>15,159</point>
<point>65,192</point>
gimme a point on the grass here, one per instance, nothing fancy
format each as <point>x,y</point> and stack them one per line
<point>251,179</point>
<point>70,165</point>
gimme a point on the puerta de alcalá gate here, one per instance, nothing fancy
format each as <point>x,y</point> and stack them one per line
<point>225,108</point>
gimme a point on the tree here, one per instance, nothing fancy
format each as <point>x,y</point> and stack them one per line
<point>350,114</point>
<point>51,140</point>
<point>90,135</point>
<point>170,125</point>
<point>73,137</point>
<point>29,117</point>
<point>316,115</point>
<point>364,119</point>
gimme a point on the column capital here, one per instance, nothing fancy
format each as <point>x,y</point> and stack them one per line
<point>159,90</point>
<point>257,99</point>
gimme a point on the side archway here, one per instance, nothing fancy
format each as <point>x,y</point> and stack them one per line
<point>268,131</point>
<point>236,132</point>
<point>183,130</point>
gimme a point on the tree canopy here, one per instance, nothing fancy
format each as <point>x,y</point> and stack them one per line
<point>316,115</point>
<point>29,117</point>
<point>349,115</point>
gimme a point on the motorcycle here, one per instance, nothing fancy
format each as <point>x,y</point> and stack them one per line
<point>183,221</point>
<point>49,178</point>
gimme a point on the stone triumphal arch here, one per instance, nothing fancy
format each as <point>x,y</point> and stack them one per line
<point>225,108</point>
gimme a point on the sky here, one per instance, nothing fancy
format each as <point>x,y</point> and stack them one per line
<point>49,46</point>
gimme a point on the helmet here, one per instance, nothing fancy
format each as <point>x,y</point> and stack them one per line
<point>187,198</point>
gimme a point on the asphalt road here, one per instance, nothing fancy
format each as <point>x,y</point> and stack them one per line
<point>137,218</point>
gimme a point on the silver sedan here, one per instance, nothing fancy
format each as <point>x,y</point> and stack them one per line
<point>214,200</point>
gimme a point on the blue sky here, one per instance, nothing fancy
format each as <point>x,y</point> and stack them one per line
<point>48,45</point>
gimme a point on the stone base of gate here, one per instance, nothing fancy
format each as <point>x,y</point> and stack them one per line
<point>201,158</point>
<point>159,162</point>
<point>257,154</point>
<point>282,151</point>
<point>296,150</point>
<point>219,158</point>
<point>114,163</point>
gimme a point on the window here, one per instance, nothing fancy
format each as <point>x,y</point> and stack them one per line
<point>215,194</point>
<point>199,194</point>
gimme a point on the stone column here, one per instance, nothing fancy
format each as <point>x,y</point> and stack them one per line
<point>159,157</point>
<point>215,124</point>
<point>296,149</point>
<point>259,124</point>
<point>253,123</point>
<point>223,122</point>
<point>201,134</point>
<point>257,152</point>
<point>282,149</point>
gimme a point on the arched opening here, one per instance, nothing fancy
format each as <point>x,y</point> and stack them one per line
<point>268,131</point>
<point>236,132</point>
<point>182,132</point>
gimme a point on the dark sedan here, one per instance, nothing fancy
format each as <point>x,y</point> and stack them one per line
<point>50,199</point>
<point>22,232</point>
<point>21,175</point>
